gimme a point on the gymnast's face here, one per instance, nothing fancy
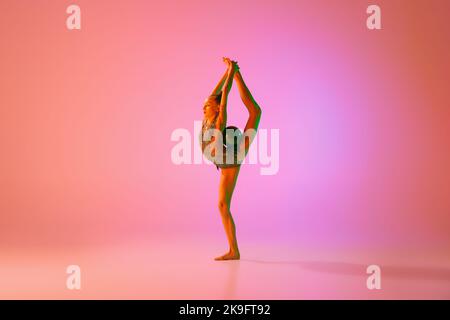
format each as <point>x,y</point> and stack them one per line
<point>210,108</point>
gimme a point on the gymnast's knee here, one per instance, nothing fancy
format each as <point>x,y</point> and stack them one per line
<point>258,110</point>
<point>223,206</point>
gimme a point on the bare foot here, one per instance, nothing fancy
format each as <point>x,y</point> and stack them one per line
<point>229,256</point>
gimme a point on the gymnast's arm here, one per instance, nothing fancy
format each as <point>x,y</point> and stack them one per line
<point>219,85</point>
<point>222,118</point>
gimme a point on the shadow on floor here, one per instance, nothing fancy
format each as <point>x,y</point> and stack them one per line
<point>407,272</point>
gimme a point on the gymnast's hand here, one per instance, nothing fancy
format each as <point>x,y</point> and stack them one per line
<point>227,61</point>
<point>232,65</point>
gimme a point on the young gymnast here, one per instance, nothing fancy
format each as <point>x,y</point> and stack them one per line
<point>227,155</point>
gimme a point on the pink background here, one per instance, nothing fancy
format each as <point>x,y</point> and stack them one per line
<point>86,118</point>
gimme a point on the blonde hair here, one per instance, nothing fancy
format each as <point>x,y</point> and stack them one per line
<point>216,98</point>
